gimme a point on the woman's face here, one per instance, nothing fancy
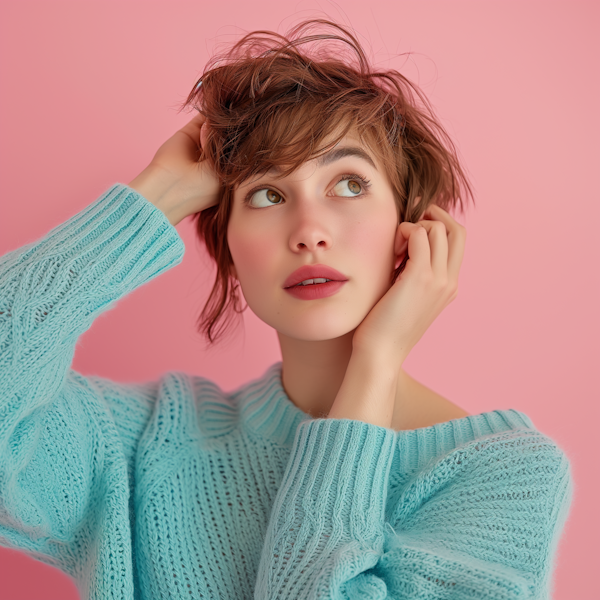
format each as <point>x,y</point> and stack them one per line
<point>321,214</point>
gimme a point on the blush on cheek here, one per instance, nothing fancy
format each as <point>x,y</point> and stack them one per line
<point>251,255</point>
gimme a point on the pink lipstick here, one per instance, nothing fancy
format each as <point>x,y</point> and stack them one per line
<point>302,285</point>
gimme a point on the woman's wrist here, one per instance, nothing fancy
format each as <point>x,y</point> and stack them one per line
<point>368,391</point>
<point>155,188</point>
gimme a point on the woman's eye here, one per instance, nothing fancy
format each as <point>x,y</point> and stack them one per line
<point>349,186</point>
<point>264,197</point>
<point>354,186</point>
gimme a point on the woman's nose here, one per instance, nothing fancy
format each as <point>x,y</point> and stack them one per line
<point>310,231</point>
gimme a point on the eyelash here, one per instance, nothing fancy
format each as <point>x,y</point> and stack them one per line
<point>366,184</point>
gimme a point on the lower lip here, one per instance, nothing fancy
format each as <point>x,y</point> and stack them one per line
<point>315,290</point>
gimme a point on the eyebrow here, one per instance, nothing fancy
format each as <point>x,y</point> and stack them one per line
<point>335,154</point>
<point>339,153</point>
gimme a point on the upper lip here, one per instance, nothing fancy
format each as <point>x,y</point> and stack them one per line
<point>313,272</point>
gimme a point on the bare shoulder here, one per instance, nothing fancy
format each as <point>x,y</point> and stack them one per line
<point>419,406</point>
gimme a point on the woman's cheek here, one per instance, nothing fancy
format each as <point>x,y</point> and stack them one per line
<point>371,242</point>
<point>251,256</point>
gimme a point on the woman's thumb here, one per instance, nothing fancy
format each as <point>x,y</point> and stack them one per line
<point>203,135</point>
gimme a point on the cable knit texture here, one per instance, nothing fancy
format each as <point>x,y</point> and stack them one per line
<point>176,489</point>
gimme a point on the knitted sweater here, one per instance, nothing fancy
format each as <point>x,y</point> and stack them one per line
<point>176,489</point>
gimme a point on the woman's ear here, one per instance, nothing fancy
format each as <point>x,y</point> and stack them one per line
<point>398,260</point>
<point>425,211</point>
<point>400,247</point>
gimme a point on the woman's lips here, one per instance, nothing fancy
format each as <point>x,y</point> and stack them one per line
<point>313,272</point>
<point>314,291</point>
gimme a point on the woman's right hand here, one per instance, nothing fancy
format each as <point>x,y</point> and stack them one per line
<point>175,181</point>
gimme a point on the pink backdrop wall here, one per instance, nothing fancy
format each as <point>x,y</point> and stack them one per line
<point>88,92</point>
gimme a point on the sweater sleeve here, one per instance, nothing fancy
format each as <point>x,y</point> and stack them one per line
<point>482,522</point>
<point>63,447</point>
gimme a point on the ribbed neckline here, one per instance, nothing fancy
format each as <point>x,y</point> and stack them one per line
<point>268,411</point>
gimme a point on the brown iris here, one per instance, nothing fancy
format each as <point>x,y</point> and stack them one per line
<point>273,196</point>
<point>354,186</point>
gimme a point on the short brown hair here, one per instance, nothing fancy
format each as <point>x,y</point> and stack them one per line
<point>269,102</point>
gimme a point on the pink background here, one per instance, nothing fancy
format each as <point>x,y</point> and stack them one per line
<point>89,91</point>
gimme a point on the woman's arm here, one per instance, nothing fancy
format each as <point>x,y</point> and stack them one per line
<point>62,433</point>
<point>57,435</point>
<point>397,322</point>
<point>482,521</point>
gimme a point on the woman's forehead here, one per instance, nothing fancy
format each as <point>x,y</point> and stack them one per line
<point>350,145</point>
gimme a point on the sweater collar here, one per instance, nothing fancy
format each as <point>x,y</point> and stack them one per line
<point>267,411</point>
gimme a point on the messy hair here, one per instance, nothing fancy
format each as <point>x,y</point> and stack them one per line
<point>272,101</point>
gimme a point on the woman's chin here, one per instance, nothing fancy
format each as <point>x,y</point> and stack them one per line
<point>315,330</point>
<point>311,323</point>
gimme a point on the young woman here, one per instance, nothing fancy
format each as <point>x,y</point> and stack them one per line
<point>322,190</point>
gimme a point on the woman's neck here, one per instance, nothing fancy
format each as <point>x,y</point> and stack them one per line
<point>312,372</point>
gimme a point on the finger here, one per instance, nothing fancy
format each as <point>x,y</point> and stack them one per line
<point>456,251</point>
<point>193,127</point>
<point>196,130</point>
<point>419,253</point>
<point>457,235</point>
<point>438,243</point>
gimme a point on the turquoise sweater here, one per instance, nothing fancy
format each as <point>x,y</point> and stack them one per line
<point>176,489</point>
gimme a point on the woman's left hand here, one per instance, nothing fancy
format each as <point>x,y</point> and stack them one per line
<point>427,285</point>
